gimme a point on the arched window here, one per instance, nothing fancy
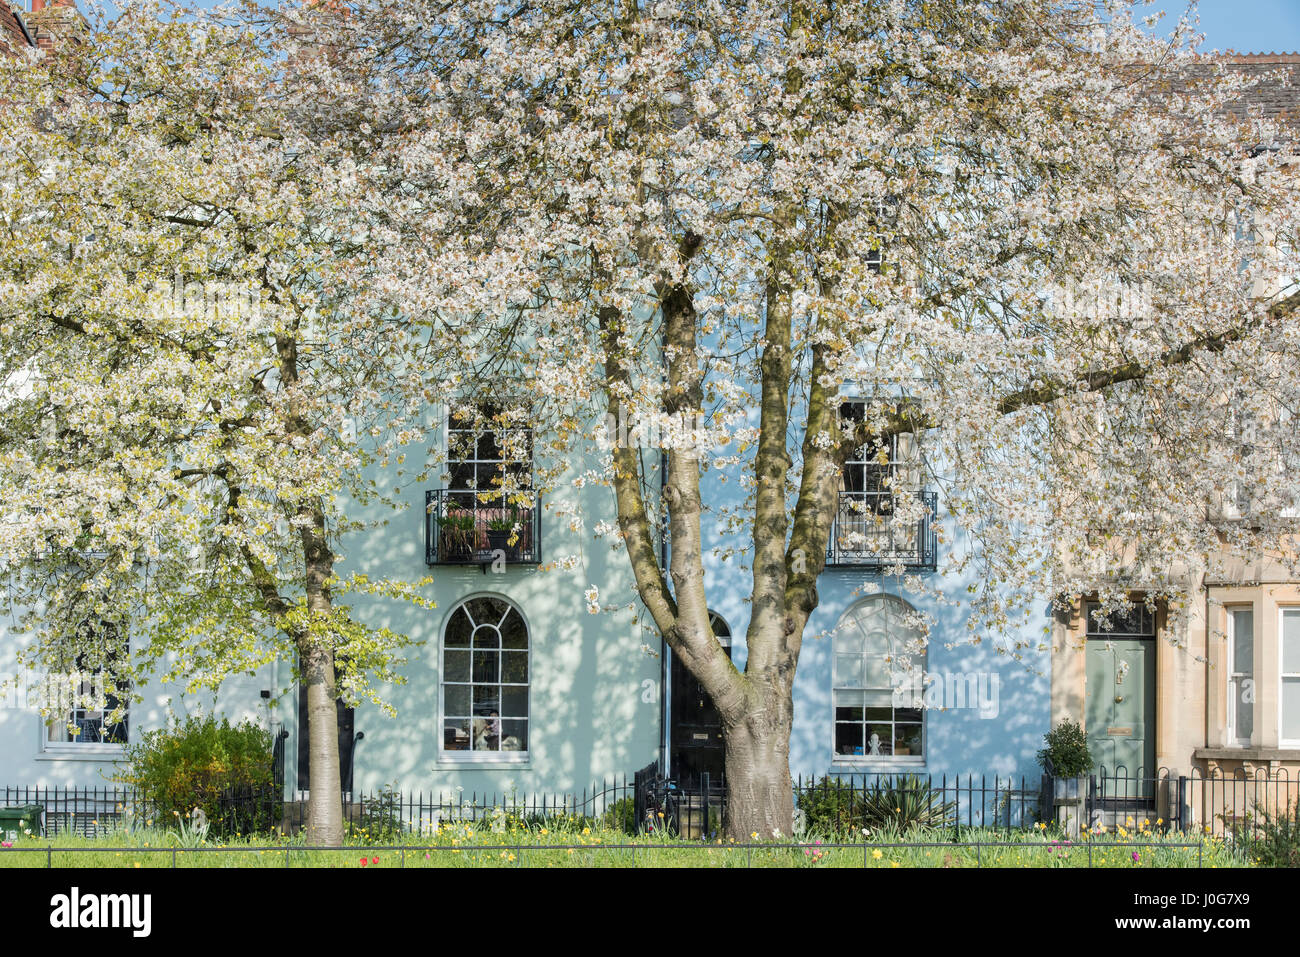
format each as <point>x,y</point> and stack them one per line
<point>485,680</point>
<point>878,683</point>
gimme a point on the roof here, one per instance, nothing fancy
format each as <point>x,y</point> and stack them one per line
<point>1276,95</point>
<point>14,35</point>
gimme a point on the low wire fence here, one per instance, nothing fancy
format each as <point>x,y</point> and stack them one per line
<point>644,854</point>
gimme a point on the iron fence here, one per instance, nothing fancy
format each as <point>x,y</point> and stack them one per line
<point>1225,805</point>
<point>97,811</point>
<point>1232,805</point>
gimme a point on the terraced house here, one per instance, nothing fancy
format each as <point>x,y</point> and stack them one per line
<point>539,672</point>
<point>1208,693</point>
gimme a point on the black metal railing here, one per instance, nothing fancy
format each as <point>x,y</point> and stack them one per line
<point>1238,806</point>
<point>462,529</point>
<point>96,811</point>
<point>1234,806</point>
<point>883,529</point>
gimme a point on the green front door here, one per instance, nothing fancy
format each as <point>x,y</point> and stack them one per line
<point>1119,715</point>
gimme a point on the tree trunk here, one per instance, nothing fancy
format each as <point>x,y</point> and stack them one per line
<point>760,800</point>
<point>325,798</point>
<point>325,802</point>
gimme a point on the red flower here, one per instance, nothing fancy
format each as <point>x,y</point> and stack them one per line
<point>364,862</point>
<point>374,860</point>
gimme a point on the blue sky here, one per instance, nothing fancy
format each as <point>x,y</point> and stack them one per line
<point>1248,26</point>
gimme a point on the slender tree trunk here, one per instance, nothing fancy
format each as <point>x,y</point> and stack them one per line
<point>325,798</point>
<point>325,801</point>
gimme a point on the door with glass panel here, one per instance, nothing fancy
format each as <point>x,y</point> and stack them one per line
<point>1119,709</point>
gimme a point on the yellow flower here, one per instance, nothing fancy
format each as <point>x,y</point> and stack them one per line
<point>877,854</point>
<point>893,863</point>
<point>754,835</point>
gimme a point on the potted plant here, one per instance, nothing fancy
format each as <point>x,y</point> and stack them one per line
<point>456,535</point>
<point>1067,760</point>
<point>502,534</point>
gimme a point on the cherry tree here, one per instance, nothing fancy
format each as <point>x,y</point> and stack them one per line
<point>1025,230</point>
<point>192,393</point>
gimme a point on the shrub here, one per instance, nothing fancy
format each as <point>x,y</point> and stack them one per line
<point>621,816</point>
<point>1066,754</point>
<point>835,806</point>
<point>905,802</point>
<point>380,820</point>
<point>831,806</point>
<point>223,770</point>
<point>1272,840</point>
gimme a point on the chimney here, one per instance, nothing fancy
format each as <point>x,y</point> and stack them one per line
<point>54,21</point>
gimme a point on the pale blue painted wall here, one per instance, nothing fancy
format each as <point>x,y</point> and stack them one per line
<point>595,696</point>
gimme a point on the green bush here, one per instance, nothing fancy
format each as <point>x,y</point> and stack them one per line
<point>906,802</point>
<point>835,807</point>
<point>621,816</point>
<point>1066,754</point>
<point>223,770</point>
<point>380,820</point>
<point>831,806</point>
<point>1272,840</point>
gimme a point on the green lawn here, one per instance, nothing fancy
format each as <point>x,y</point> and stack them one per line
<point>581,845</point>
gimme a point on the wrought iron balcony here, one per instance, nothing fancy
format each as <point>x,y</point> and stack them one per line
<point>462,529</point>
<point>882,530</point>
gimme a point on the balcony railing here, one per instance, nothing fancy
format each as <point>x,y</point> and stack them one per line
<point>883,530</point>
<point>461,529</point>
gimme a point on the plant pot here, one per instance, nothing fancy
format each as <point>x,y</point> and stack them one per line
<point>1067,796</point>
<point>1069,790</point>
<point>499,541</point>
<point>454,548</point>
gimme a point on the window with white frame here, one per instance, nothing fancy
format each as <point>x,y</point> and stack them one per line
<point>877,473</point>
<point>89,700</point>
<point>878,674</point>
<point>1289,690</point>
<point>485,685</point>
<point>1241,675</point>
<point>486,450</point>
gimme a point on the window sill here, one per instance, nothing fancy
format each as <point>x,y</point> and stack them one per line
<point>112,753</point>
<point>1284,753</point>
<point>862,763</point>
<point>485,763</point>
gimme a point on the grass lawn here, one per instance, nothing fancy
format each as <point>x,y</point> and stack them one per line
<point>580,844</point>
